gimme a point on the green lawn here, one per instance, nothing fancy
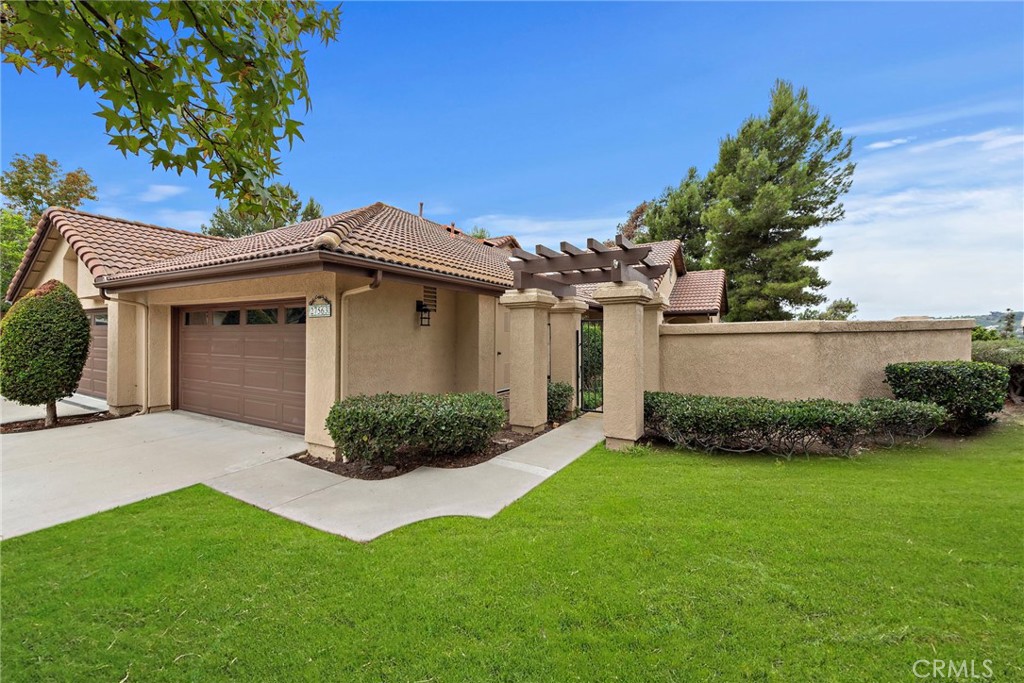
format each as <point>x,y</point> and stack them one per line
<point>655,567</point>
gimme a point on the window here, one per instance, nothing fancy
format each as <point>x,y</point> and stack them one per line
<point>100,320</point>
<point>261,316</point>
<point>295,316</point>
<point>197,318</point>
<point>226,317</point>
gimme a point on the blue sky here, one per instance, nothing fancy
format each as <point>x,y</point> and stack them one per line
<point>551,121</point>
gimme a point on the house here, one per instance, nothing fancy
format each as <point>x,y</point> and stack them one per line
<point>273,328</point>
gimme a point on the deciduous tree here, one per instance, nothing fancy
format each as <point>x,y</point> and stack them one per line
<point>188,84</point>
<point>31,184</point>
<point>15,232</point>
<point>839,309</point>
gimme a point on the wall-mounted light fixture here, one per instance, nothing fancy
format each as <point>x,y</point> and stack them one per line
<point>424,312</point>
<point>427,305</point>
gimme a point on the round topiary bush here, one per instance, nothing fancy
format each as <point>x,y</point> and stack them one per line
<point>44,341</point>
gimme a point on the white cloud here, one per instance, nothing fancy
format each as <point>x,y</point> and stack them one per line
<point>158,193</point>
<point>531,230</point>
<point>930,118</point>
<point>933,229</point>
<point>886,144</point>
<point>181,219</point>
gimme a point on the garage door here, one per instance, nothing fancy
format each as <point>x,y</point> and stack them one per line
<point>245,363</point>
<point>94,375</point>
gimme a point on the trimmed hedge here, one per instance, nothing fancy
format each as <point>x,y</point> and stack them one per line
<point>969,391</point>
<point>785,427</point>
<point>385,427</point>
<point>44,342</point>
<point>893,419</point>
<point>559,400</point>
<point>1010,354</point>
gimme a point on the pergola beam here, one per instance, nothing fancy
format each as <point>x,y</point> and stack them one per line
<point>559,271</point>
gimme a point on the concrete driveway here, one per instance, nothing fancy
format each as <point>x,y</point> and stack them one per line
<point>57,475</point>
<point>79,404</point>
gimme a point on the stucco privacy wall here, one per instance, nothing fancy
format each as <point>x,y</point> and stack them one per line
<point>844,361</point>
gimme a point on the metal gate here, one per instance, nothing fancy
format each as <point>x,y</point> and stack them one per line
<point>590,366</point>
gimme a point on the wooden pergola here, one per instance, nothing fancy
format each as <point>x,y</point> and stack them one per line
<point>559,271</point>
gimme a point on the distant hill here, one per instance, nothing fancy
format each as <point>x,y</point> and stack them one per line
<point>995,319</point>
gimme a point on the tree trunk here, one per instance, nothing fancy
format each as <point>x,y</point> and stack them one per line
<point>51,414</point>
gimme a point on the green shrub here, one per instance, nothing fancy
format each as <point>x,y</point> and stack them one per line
<point>893,419</point>
<point>559,400</point>
<point>969,391</point>
<point>756,424</point>
<point>1010,354</point>
<point>592,360</point>
<point>980,333</point>
<point>386,427</point>
<point>44,342</point>
<point>785,427</point>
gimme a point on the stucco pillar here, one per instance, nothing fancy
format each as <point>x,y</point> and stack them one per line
<point>623,361</point>
<point>566,317</point>
<point>652,343</point>
<point>528,393</point>
<point>323,365</point>
<point>123,331</point>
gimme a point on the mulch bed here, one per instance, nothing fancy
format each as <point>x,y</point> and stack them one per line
<point>503,441</point>
<point>36,425</point>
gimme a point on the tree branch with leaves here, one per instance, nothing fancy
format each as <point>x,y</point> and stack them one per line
<point>190,84</point>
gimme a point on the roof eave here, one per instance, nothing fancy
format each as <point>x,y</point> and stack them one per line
<point>286,264</point>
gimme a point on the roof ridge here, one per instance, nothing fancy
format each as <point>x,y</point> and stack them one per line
<point>333,234</point>
<point>55,209</point>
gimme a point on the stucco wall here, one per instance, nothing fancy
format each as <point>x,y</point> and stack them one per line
<point>58,261</point>
<point>802,359</point>
<point>388,349</point>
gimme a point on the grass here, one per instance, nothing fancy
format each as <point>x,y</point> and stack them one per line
<point>653,566</point>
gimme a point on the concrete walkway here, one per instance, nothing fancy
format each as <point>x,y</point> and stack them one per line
<point>56,475</point>
<point>363,510</point>
<point>79,404</point>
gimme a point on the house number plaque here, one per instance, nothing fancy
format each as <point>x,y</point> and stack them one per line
<point>319,307</point>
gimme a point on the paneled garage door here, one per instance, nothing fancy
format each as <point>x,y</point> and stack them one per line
<point>94,375</point>
<point>245,363</point>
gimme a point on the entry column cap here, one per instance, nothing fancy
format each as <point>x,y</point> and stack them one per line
<point>623,293</point>
<point>528,298</point>
<point>570,304</point>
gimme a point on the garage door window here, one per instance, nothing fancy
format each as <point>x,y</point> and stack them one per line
<point>261,316</point>
<point>99,320</point>
<point>295,316</point>
<point>197,318</point>
<point>226,317</point>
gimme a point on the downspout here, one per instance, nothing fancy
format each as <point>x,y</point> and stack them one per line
<point>343,342</point>
<point>145,346</point>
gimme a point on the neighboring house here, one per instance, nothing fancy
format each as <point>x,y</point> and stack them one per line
<point>219,326</point>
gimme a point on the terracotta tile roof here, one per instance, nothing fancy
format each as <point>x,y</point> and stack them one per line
<point>107,245</point>
<point>502,242</point>
<point>377,232</point>
<point>662,253</point>
<point>699,292</point>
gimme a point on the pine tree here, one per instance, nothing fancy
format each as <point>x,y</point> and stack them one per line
<point>782,175</point>
<point>233,222</point>
<point>677,215</point>
<point>1008,325</point>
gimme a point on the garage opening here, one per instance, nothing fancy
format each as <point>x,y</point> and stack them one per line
<point>244,362</point>
<point>94,374</point>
